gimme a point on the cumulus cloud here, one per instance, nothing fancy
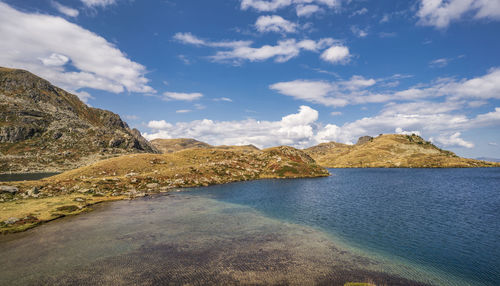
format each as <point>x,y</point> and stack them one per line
<point>336,55</point>
<point>440,14</point>
<point>275,24</point>
<point>454,140</point>
<point>159,124</point>
<point>294,129</point>
<point>303,130</point>
<point>238,51</point>
<point>307,10</point>
<point>273,5</point>
<point>66,54</point>
<point>68,11</point>
<point>182,96</point>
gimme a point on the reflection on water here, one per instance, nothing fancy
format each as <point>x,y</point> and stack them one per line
<point>24,177</point>
<point>180,239</point>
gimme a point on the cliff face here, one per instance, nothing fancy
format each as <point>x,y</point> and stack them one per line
<point>44,128</point>
<point>390,151</point>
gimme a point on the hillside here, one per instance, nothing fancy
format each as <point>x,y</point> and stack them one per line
<point>26,204</point>
<point>46,129</point>
<point>390,151</point>
<point>174,145</point>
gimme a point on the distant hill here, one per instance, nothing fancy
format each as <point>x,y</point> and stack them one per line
<point>174,145</point>
<point>46,129</point>
<point>390,151</point>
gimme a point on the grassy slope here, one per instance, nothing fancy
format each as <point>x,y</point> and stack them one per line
<point>136,175</point>
<point>390,151</point>
<point>174,145</point>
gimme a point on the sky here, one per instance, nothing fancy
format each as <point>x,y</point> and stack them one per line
<point>272,72</point>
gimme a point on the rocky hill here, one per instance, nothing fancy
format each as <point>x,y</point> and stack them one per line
<point>46,129</point>
<point>174,145</point>
<point>137,175</point>
<point>390,151</point>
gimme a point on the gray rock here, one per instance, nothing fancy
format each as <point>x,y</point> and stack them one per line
<point>11,220</point>
<point>8,190</point>
<point>152,186</point>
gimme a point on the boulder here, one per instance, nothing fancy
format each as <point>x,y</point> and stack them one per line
<point>8,190</point>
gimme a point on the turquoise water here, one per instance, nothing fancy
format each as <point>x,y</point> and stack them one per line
<point>441,220</point>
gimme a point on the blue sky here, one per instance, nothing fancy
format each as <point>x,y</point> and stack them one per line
<point>295,72</point>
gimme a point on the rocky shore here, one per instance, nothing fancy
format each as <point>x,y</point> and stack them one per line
<point>27,204</point>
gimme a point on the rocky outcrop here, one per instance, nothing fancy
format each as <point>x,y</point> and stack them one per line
<point>364,139</point>
<point>44,128</point>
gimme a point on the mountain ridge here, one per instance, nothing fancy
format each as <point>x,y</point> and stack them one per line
<point>44,128</point>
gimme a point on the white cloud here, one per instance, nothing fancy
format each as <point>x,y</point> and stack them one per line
<point>454,140</point>
<point>440,14</point>
<point>359,32</point>
<point>68,11</point>
<point>385,18</point>
<point>227,99</point>
<point>183,111</point>
<point>307,10</point>
<point>45,45</point>
<point>182,96</point>
<point>83,96</point>
<point>95,3</point>
<point>440,63</point>
<point>160,124</point>
<point>339,93</point>
<point>282,52</point>
<point>273,5</point>
<point>275,24</point>
<point>358,90</point>
<point>188,38</point>
<point>359,12</point>
<point>302,129</point>
<point>295,129</point>
<point>237,51</point>
<point>400,130</point>
<point>336,55</point>
<point>55,60</point>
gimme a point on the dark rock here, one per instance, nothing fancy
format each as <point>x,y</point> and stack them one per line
<point>364,139</point>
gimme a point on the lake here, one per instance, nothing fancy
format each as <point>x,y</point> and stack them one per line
<point>386,226</point>
<point>25,177</point>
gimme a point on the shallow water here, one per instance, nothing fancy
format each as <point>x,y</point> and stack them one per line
<point>389,227</point>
